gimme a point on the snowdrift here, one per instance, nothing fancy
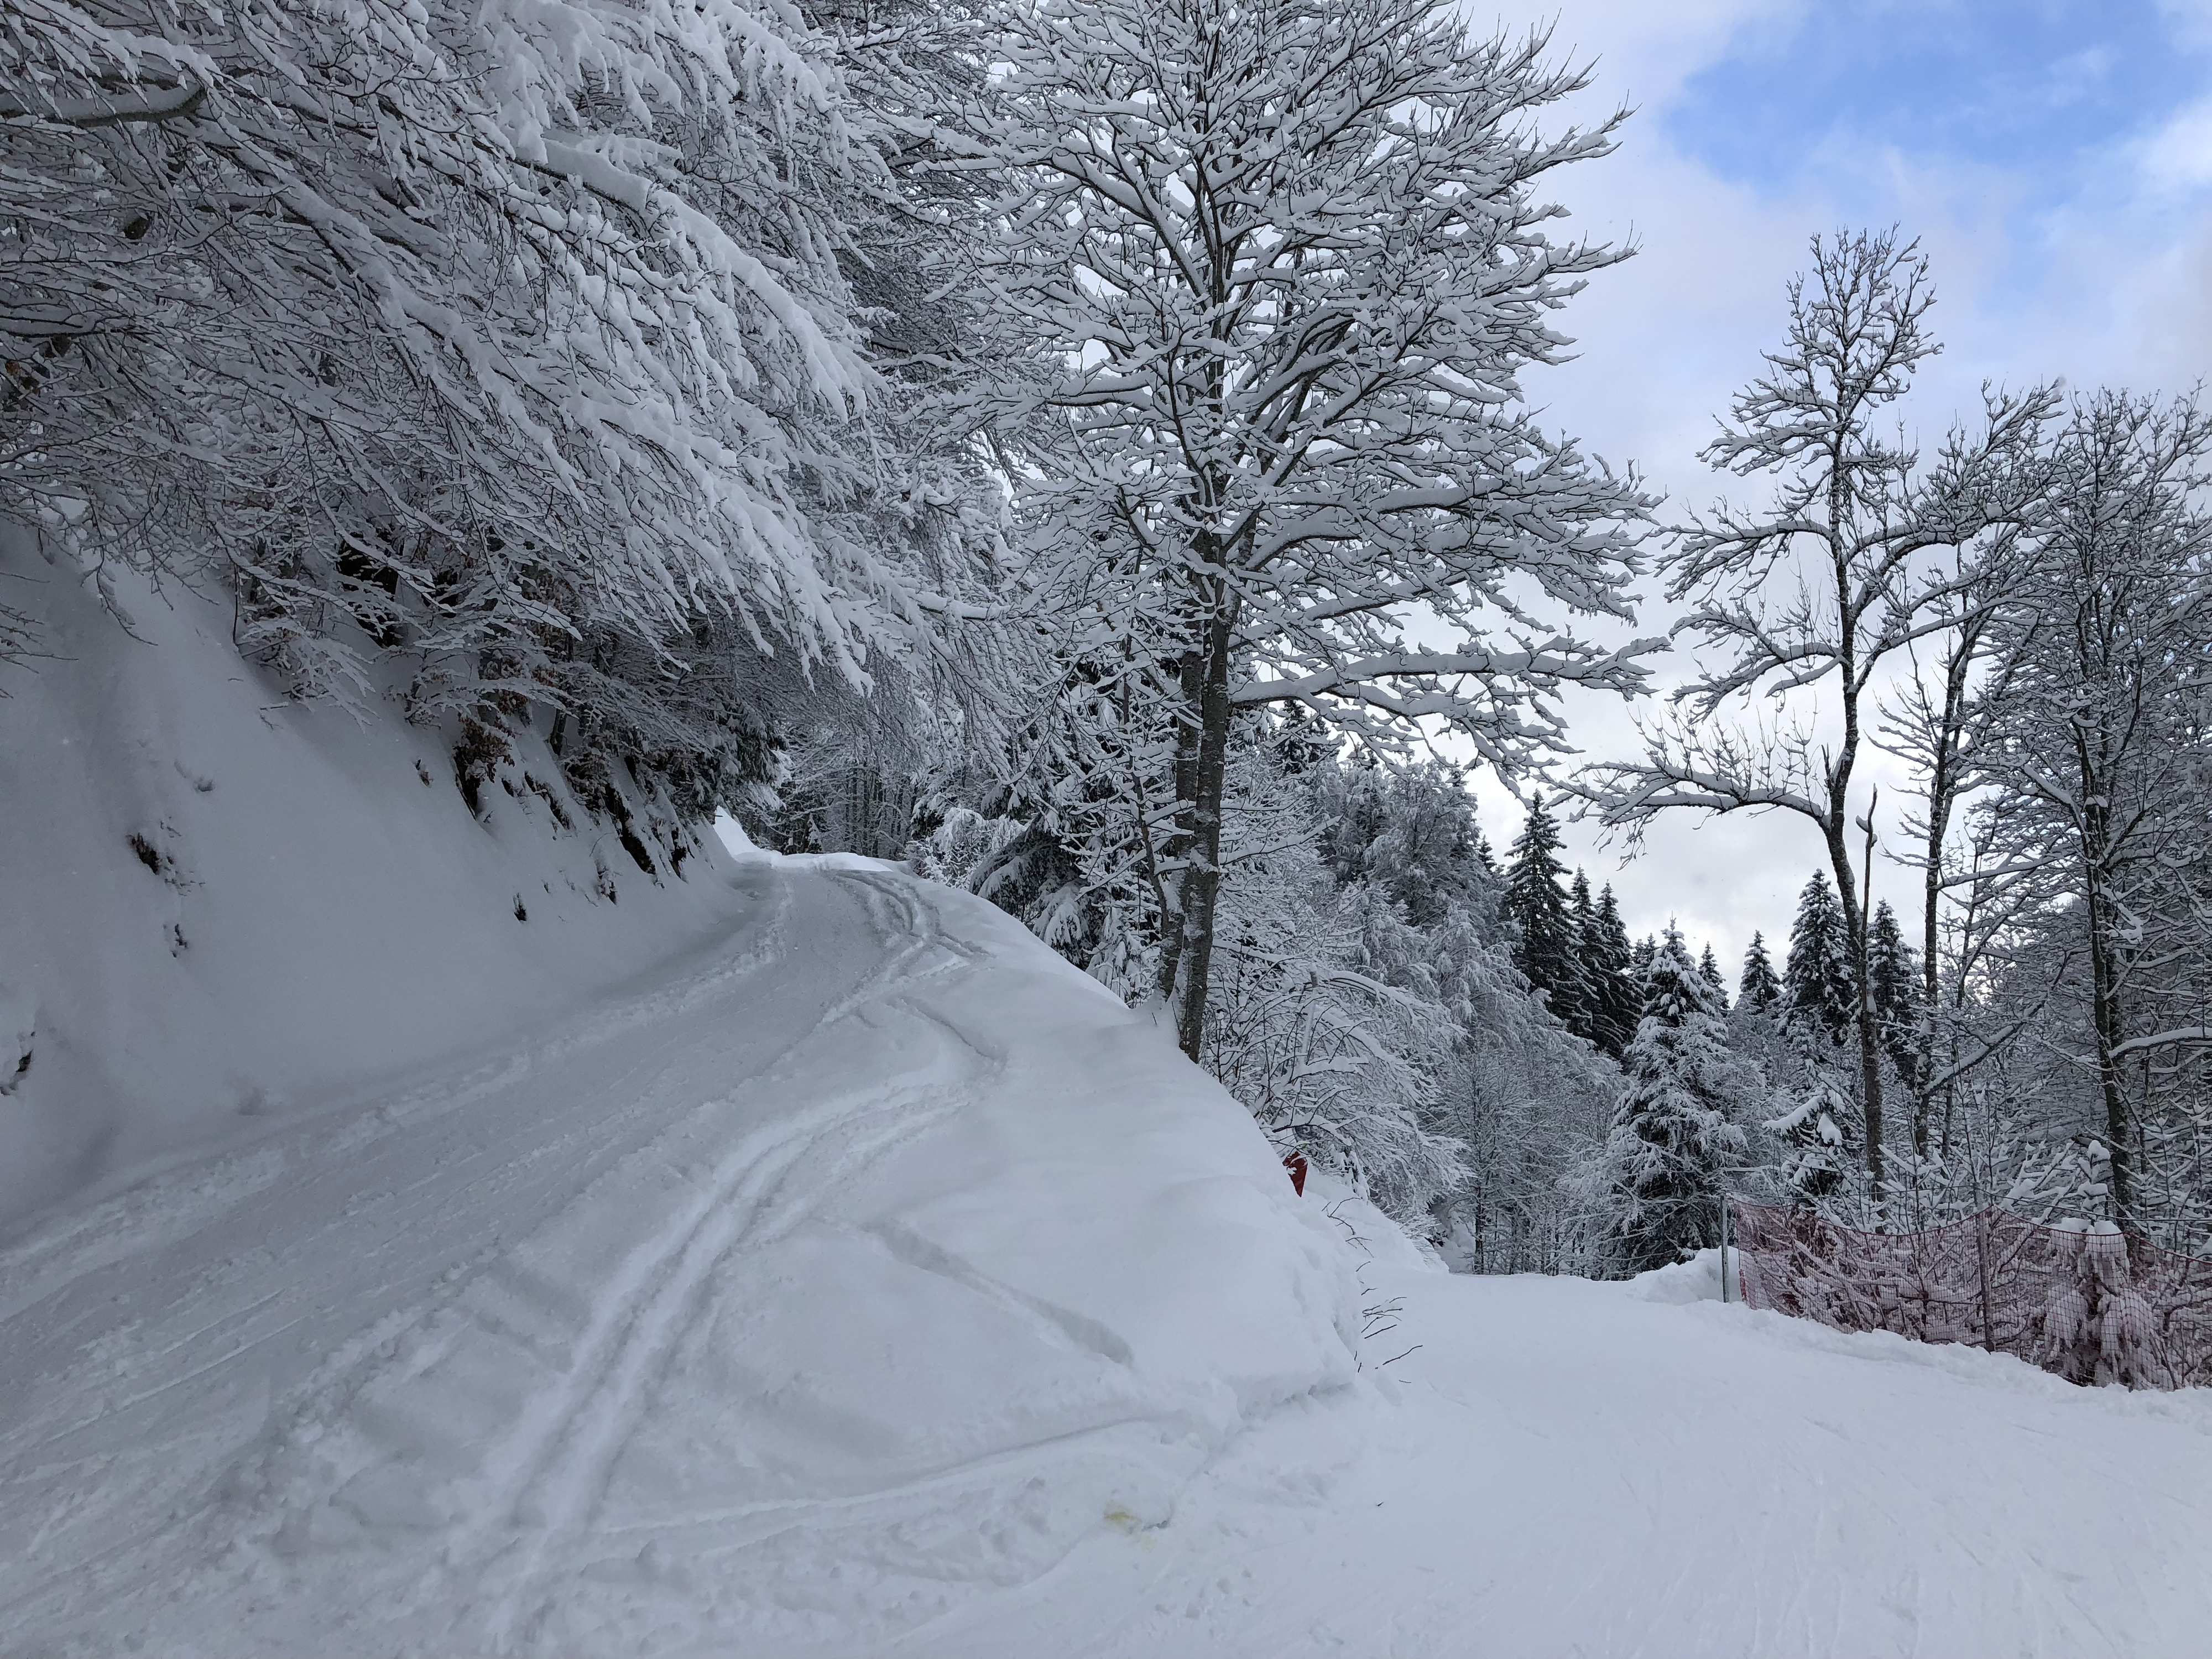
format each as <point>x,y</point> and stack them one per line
<point>436,1235</point>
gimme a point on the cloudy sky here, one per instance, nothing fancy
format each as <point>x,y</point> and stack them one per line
<point>2054,157</point>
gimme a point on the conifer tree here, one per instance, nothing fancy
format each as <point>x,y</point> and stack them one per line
<point>1821,1133</point>
<point>1544,945</point>
<point>1639,970</point>
<point>1821,995</point>
<point>1615,1003</point>
<point>1580,1013</point>
<point>1759,990</point>
<point>1710,966</point>
<point>1675,1140</point>
<point>1893,973</point>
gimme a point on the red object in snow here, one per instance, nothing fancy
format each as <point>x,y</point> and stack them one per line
<point>1296,1164</point>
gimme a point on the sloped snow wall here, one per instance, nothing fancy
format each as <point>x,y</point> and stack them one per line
<point>217,905</point>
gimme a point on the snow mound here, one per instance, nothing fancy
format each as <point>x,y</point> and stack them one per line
<point>1698,1280</point>
<point>1372,1235</point>
<point>867,1258</point>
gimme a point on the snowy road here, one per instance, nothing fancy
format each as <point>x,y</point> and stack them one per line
<point>1566,1469</point>
<point>870,1282</point>
<point>435,1275</point>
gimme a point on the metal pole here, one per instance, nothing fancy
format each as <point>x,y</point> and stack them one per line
<point>1724,1248</point>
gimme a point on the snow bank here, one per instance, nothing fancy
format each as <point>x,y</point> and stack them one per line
<point>1372,1236</point>
<point>1698,1280</point>
<point>216,906</point>
<point>867,1258</point>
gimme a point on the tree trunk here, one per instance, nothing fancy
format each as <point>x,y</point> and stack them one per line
<point>1838,821</point>
<point>1201,885</point>
<point>1190,676</point>
<point>2104,1008</point>
<point>1924,1046</point>
<point>1855,926</point>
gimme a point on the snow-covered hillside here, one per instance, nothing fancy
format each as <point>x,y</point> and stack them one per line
<point>218,905</point>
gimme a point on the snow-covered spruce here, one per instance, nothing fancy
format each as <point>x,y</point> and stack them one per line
<point>1677,1135</point>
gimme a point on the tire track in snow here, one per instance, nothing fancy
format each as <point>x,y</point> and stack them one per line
<point>763,1187</point>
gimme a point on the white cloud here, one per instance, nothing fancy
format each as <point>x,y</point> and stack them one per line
<point>2177,156</point>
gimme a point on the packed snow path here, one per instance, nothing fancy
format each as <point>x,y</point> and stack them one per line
<point>1570,1468</point>
<point>871,1283</point>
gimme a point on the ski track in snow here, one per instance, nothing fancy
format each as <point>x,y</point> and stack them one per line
<point>557,1335</point>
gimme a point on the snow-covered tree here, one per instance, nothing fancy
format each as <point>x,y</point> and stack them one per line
<point>1519,1099</point>
<point>2100,762</point>
<point>1264,279</point>
<point>1410,831</point>
<point>1758,990</point>
<point>1546,945</point>
<point>1895,981</point>
<point>1819,990</point>
<point>1614,1000</point>
<point>1676,1139</point>
<point>2097,1327</point>
<point>1818,1134</point>
<point>497,358</point>
<point>1819,593</point>
<point>1710,966</point>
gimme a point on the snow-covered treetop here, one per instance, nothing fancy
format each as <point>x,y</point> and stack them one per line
<point>1270,277</point>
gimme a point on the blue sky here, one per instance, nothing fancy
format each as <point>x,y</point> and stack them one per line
<point>2053,156</point>
<point>2038,88</point>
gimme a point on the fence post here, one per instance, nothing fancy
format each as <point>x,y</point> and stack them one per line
<point>1982,1262</point>
<point>1724,1248</point>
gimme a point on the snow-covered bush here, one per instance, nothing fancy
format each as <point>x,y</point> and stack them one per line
<point>2097,1327</point>
<point>1817,1134</point>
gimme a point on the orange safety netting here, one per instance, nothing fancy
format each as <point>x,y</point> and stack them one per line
<point>2084,1300</point>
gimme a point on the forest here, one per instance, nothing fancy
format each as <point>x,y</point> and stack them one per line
<point>1083,449</point>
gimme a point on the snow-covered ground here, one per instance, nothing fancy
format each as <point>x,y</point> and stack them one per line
<point>867,1258</point>
<point>868,1281</point>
